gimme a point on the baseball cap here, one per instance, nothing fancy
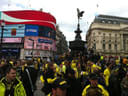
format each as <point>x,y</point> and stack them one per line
<point>60,83</point>
<point>93,76</point>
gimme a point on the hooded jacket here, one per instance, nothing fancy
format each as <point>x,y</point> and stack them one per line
<point>18,88</point>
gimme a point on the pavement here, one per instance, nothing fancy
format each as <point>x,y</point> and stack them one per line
<point>39,85</point>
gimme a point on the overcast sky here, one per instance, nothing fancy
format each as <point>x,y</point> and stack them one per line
<point>66,14</point>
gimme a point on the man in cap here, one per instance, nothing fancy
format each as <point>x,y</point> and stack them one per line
<point>94,84</point>
<point>59,88</point>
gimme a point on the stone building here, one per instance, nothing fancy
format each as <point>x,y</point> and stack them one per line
<point>61,42</point>
<point>108,35</point>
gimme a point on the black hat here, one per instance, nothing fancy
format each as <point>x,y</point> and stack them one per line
<point>60,83</point>
<point>93,76</point>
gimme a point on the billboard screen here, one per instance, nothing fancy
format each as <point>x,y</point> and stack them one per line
<point>42,43</point>
<point>12,40</point>
<point>45,31</point>
<point>0,15</point>
<point>31,30</point>
<point>32,17</point>
<point>15,30</point>
<point>41,40</point>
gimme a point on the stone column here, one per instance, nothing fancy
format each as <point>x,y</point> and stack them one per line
<point>121,43</point>
<point>22,54</point>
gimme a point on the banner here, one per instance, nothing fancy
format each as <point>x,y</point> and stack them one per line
<point>31,30</point>
<point>0,15</point>
<point>44,41</point>
<point>15,30</point>
<point>39,43</point>
<point>12,40</point>
<point>45,31</point>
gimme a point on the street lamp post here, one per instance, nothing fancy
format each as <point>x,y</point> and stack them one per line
<point>116,50</point>
<point>32,45</point>
<point>2,31</point>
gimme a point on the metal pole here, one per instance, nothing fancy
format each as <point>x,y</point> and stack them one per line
<point>2,31</point>
<point>1,40</point>
<point>32,47</point>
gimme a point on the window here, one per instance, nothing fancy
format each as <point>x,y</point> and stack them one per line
<point>109,41</point>
<point>94,46</point>
<point>103,46</point>
<point>109,22</point>
<point>103,41</point>
<point>116,46</point>
<point>109,46</point>
<point>103,21</point>
<point>114,22</point>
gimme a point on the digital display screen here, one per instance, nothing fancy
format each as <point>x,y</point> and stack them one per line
<point>12,40</point>
<point>31,30</point>
<point>42,43</point>
<point>14,30</point>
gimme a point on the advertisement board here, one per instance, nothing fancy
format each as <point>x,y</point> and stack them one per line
<point>9,45</point>
<point>38,53</point>
<point>0,15</point>
<point>41,43</point>
<point>31,30</point>
<point>14,30</point>
<point>12,40</point>
<point>45,31</point>
<point>41,40</point>
<point>54,45</point>
<point>32,17</point>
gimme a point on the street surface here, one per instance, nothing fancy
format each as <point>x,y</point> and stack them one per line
<point>38,91</point>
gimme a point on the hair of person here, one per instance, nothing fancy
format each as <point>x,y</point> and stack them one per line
<point>9,68</point>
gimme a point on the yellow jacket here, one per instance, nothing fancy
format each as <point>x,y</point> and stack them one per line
<point>42,78</point>
<point>104,92</point>
<point>93,67</point>
<point>18,88</point>
<point>106,76</point>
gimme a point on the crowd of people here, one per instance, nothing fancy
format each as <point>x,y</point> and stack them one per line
<point>18,77</point>
<point>66,75</point>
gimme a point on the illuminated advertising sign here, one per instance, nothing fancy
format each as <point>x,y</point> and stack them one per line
<point>44,41</point>
<point>45,31</point>
<point>10,50</point>
<point>0,15</point>
<point>12,40</point>
<point>15,45</point>
<point>14,30</point>
<point>54,45</point>
<point>31,30</point>
<point>39,43</point>
<point>32,17</point>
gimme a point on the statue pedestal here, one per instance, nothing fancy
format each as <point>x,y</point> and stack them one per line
<point>77,46</point>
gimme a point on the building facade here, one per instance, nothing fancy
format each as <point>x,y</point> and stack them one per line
<point>108,35</point>
<point>27,33</point>
<point>61,42</point>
